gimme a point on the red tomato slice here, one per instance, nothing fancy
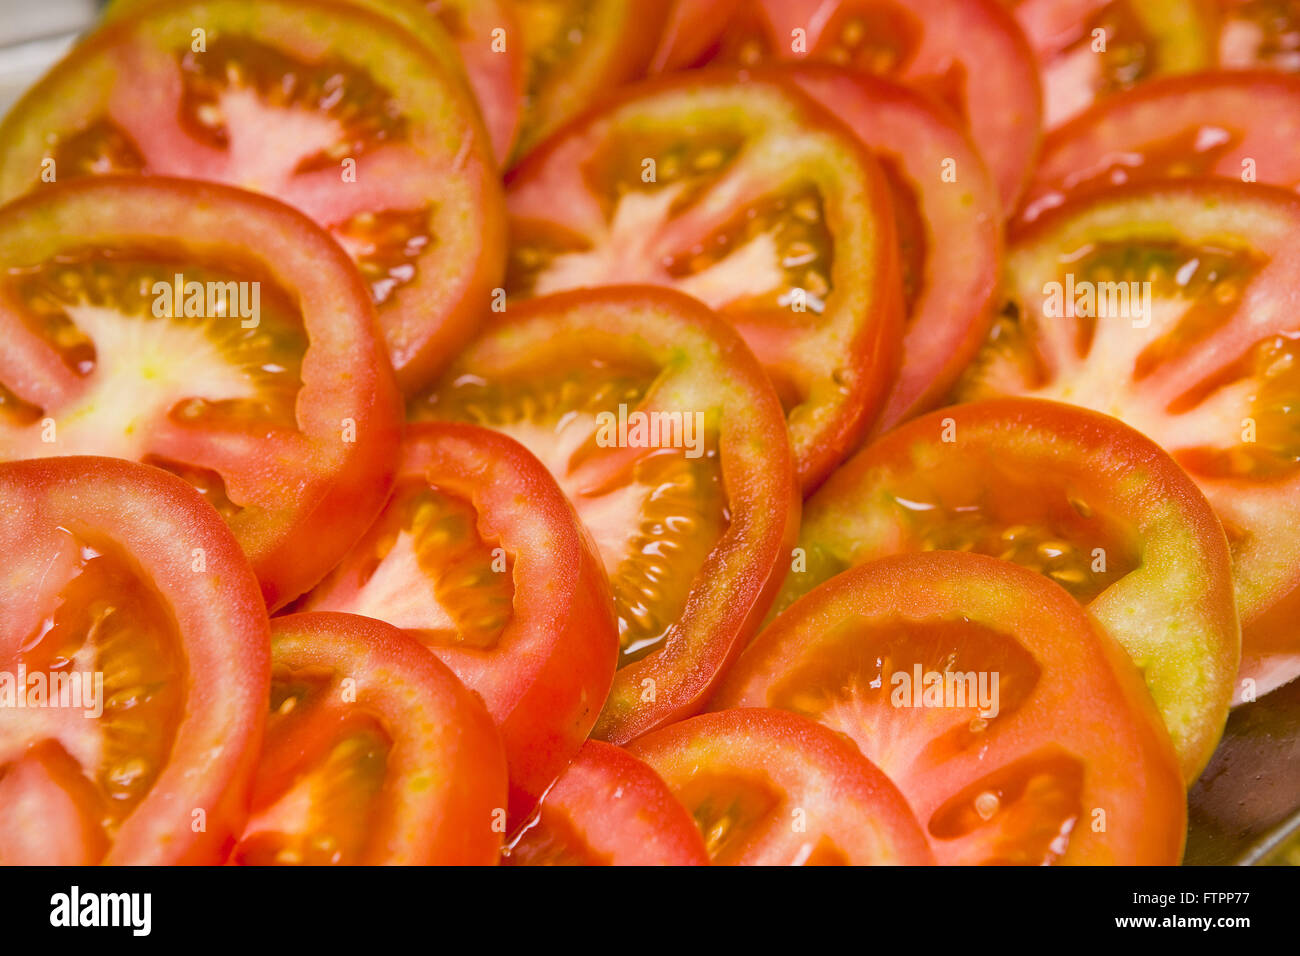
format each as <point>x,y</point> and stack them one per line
<point>1258,33</point>
<point>940,189</point>
<point>969,53</point>
<point>277,418</point>
<point>1205,360</point>
<point>663,431</point>
<point>375,754</point>
<point>770,788</point>
<point>1235,125</point>
<point>760,205</point>
<point>133,668</point>
<point>1090,49</point>
<point>480,557</point>
<point>575,52</point>
<point>1018,731</point>
<point>343,114</point>
<point>693,25</point>
<point>609,809</point>
<point>1079,497</point>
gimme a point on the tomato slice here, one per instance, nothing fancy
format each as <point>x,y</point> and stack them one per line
<point>940,188</point>
<point>375,754</point>
<point>1079,497</point>
<point>663,431</point>
<point>609,809</point>
<point>769,788</point>
<point>1258,33</point>
<point>692,26</point>
<point>133,668</point>
<point>345,115</point>
<point>968,53</point>
<point>1018,731</point>
<point>1090,49</point>
<point>760,205</point>
<point>479,556</point>
<point>494,66</point>
<point>577,50</point>
<point>125,334</point>
<point>1238,125</point>
<point>1204,360</point>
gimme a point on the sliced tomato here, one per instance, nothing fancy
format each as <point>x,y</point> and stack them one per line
<point>125,334</point>
<point>769,788</point>
<point>609,809</point>
<point>968,53</point>
<point>1209,367</point>
<point>1079,497</point>
<point>480,557</point>
<point>340,112</point>
<point>494,67</point>
<point>940,189</point>
<point>1018,731</point>
<point>692,26</point>
<point>749,197</point>
<point>1258,33</point>
<point>133,668</point>
<point>1088,50</point>
<point>575,52</point>
<point>1238,125</point>
<point>375,754</point>
<point>663,431</point>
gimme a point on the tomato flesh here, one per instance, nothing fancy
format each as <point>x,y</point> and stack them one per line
<point>749,198</point>
<point>774,789</point>
<point>479,557</point>
<point>374,754</point>
<point>1006,716</point>
<point>1202,360</point>
<point>689,510</point>
<point>344,115</point>
<point>127,334</point>
<point>130,668</point>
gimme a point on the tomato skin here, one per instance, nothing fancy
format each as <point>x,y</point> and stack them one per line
<point>847,357</point>
<point>808,768</point>
<point>610,809</point>
<point>1085,686</point>
<point>1250,114</point>
<point>548,674</point>
<point>346,479</point>
<point>438,727</point>
<point>160,522</point>
<point>953,305</point>
<point>740,577</point>
<point>691,26</point>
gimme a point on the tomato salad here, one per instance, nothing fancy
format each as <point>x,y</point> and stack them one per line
<point>586,432</point>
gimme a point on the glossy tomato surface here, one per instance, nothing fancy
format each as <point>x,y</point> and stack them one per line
<point>1018,731</point>
<point>375,754</point>
<point>1076,496</point>
<point>210,332</point>
<point>479,556</point>
<point>661,428</point>
<point>332,108</point>
<point>609,809</point>
<point>752,199</point>
<point>133,668</point>
<point>768,788</point>
<point>1176,315</point>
